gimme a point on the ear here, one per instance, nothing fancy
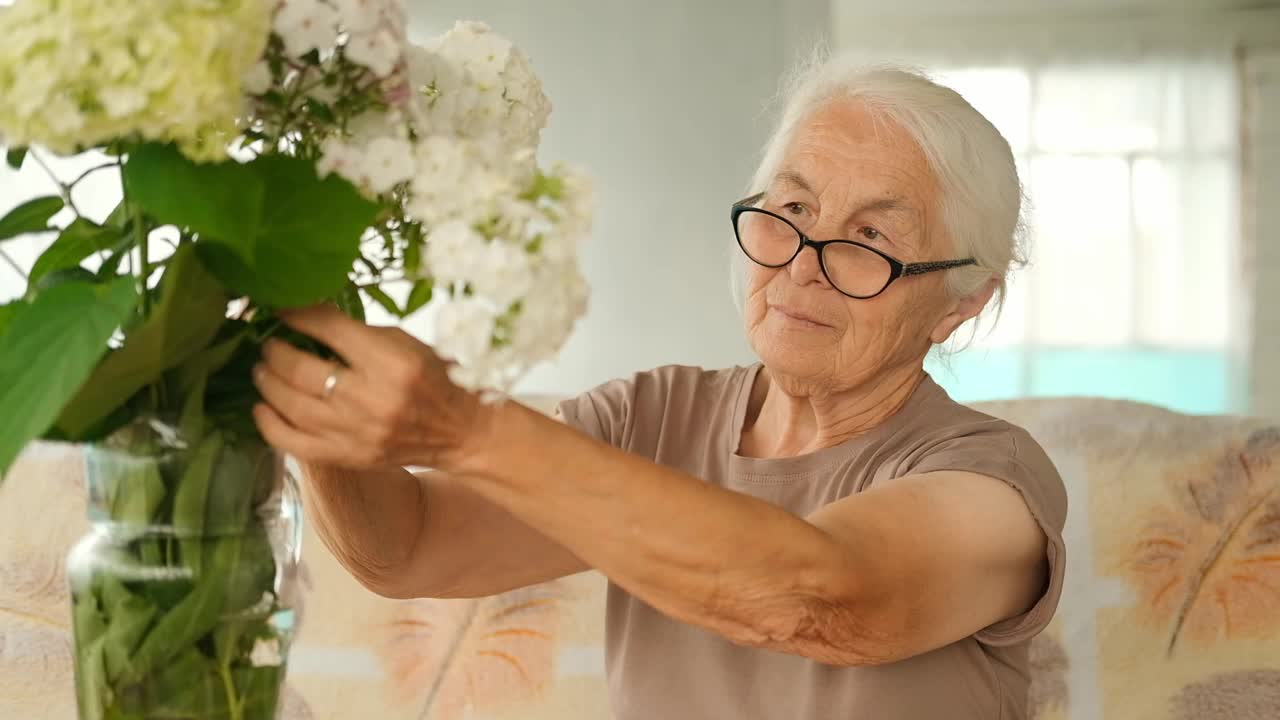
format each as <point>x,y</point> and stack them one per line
<point>965,309</point>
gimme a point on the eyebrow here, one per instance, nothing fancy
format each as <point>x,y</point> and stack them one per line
<point>892,205</point>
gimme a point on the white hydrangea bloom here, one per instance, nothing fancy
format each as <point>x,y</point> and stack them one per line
<point>464,329</point>
<point>455,254</point>
<point>359,15</point>
<point>458,179</point>
<point>477,50</point>
<point>387,162</point>
<point>170,72</point>
<point>376,49</point>
<point>529,107</point>
<point>306,25</point>
<point>505,274</point>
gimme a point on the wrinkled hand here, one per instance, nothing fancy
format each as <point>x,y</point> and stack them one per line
<point>393,404</point>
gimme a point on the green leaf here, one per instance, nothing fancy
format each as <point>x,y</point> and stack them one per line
<point>420,295</point>
<point>78,241</point>
<point>412,233</point>
<point>86,616</point>
<point>49,351</point>
<point>229,504</point>
<point>350,303</point>
<point>309,231</point>
<point>138,491</point>
<point>207,362</point>
<point>128,618</point>
<point>54,278</point>
<point>197,614</point>
<point>188,687</point>
<point>192,307</point>
<point>111,266</point>
<point>15,156</point>
<point>319,111</point>
<point>189,501</point>
<point>380,297</point>
<point>220,200</point>
<point>118,218</point>
<point>91,679</point>
<point>29,217</point>
<point>260,690</point>
<point>8,312</point>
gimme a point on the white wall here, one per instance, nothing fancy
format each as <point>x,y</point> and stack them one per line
<point>1262,123</point>
<point>662,103</point>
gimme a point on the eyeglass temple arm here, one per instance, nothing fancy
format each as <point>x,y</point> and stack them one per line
<point>928,267</point>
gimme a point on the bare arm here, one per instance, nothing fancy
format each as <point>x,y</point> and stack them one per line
<point>869,579</point>
<point>427,535</point>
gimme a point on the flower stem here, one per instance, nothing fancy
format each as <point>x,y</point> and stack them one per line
<point>233,703</point>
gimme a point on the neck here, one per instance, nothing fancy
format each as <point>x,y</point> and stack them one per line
<point>785,418</point>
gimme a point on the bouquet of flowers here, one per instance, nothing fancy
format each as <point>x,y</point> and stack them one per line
<point>270,154</point>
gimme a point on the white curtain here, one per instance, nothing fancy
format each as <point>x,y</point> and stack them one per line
<point>1133,174</point>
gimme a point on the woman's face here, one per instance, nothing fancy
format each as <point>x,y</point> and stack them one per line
<point>849,175</point>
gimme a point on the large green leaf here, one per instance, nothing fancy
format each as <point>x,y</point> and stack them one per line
<point>78,241</point>
<point>306,241</point>
<point>192,307</point>
<point>50,350</point>
<point>220,200</point>
<point>31,216</point>
<point>8,312</point>
<point>271,229</point>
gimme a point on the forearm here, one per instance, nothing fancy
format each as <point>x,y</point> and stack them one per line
<point>369,520</point>
<point>699,553</point>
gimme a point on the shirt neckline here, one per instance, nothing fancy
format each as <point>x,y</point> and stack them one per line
<point>787,469</point>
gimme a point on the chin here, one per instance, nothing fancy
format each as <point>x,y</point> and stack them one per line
<point>799,357</point>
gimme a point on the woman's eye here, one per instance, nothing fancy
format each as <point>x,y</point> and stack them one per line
<point>794,208</point>
<point>869,233</point>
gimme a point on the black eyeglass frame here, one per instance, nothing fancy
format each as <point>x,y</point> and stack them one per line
<point>897,268</point>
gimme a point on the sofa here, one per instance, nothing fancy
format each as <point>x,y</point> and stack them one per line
<point>1171,609</point>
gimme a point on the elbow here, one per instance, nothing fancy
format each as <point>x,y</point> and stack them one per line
<point>833,621</point>
<point>400,586</point>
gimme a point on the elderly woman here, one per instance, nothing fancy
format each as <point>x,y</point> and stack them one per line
<point>822,534</point>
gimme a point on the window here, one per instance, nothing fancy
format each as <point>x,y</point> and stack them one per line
<point>1132,171</point>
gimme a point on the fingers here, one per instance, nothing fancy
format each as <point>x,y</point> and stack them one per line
<point>305,372</point>
<point>283,436</point>
<point>300,409</point>
<point>353,340</point>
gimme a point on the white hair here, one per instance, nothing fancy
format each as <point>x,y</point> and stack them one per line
<point>980,195</point>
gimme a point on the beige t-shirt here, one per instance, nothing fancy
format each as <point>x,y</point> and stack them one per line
<point>691,419</point>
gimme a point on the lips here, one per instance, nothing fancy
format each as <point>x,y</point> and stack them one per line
<point>798,314</point>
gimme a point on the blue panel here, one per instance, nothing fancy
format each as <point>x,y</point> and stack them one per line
<point>1184,380</point>
<point>1189,381</point>
<point>975,375</point>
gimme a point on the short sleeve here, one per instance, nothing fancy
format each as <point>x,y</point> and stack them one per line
<point>601,412</point>
<point>1009,454</point>
<point>657,414</point>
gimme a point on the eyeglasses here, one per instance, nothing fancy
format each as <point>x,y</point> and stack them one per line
<point>854,269</point>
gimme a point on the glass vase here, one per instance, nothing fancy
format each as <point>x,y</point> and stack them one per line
<point>183,590</point>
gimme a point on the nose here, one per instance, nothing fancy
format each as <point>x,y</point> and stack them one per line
<point>806,268</point>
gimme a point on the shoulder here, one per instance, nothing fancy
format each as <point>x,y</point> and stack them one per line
<point>653,398</point>
<point>947,435</point>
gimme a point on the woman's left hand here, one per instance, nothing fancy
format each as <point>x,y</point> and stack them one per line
<point>391,404</point>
